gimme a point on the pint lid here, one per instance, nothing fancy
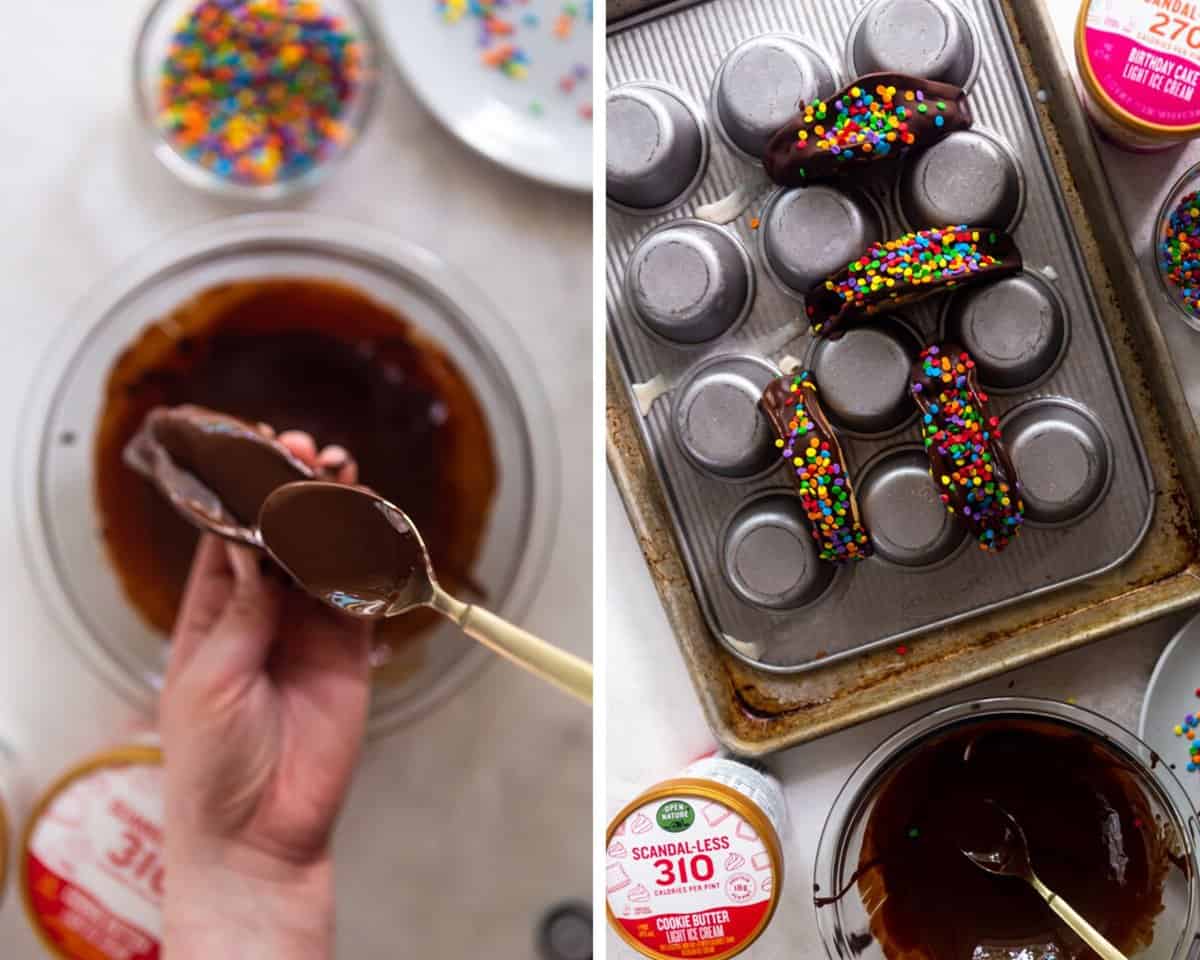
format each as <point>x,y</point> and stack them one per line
<point>694,870</point>
<point>92,859</point>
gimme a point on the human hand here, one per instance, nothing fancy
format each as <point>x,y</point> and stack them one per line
<point>262,715</point>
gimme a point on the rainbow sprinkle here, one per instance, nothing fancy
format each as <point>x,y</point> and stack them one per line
<point>501,27</point>
<point>896,267</point>
<point>500,52</point>
<point>255,90</point>
<point>1179,251</point>
<point>823,483</point>
<point>956,428</point>
<point>1187,728</point>
<point>861,122</point>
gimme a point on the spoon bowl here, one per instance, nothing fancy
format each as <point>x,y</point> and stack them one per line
<point>362,555</point>
<point>349,547</point>
<point>995,842</point>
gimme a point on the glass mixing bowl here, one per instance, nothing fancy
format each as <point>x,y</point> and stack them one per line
<point>55,471</point>
<point>1188,183</point>
<point>153,41</point>
<point>845,924</point>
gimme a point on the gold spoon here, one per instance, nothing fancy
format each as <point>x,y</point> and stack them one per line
<point>363,556</point>
<point>997,844</point>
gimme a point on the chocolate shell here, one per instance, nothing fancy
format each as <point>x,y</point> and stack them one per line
<point>967,460</point>
<point>810,446</point>
<point>877,117</point>
<point>215,470</point>
<point>893,273</point>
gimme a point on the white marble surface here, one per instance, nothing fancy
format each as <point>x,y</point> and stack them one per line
<point>655,726</point>
<point>463,827</point>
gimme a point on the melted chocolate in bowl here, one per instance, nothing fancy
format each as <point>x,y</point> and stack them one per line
<point>311,355</point>
<point>1092,838</point>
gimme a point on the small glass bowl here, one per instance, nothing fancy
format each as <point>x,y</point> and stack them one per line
<point>153,40</point>
<point>841,923</point>
<point>1190,181</point>
<point>55,479</point>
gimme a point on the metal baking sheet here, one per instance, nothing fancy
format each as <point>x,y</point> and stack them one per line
<point>753,712</point>
<point>1071,412</point>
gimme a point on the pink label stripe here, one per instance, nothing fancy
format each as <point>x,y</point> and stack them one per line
<point>1150,84</point>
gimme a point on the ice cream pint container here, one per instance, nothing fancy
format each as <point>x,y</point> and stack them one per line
<point>1139,68</point>
<point>694,865</point>
<point>91,859</point>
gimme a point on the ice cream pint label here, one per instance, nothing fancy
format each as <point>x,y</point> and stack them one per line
<point>93,860</point>
<point>1139,61</point>
<point>693,870</point>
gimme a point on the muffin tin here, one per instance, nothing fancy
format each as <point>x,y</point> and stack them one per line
<point>806,233</point>
<point>969,177</point>
<point>716,417</point>
<point>927,38</point>
<point>759,83</point>
<point>660,150</point>
<point>689,282</point>
<point>706,313</point>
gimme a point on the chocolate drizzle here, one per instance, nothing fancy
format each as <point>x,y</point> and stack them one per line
<point>967,459</point>
<point>810,446</point>
<point>878,117</point>
<point>910,268</point>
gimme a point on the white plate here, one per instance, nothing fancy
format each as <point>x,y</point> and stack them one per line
<point>489,111</point>
<point>1170,697</point>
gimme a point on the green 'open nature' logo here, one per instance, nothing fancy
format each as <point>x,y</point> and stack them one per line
<point>675,816</point>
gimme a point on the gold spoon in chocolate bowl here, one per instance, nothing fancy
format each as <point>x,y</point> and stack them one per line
<point>994,841</point>
<point>363,556</point>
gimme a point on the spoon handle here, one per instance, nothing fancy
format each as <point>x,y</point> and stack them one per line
<point>1087,933</point>
<point>565,670</point>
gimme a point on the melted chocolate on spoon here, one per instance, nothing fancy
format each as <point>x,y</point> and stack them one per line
<point>354,552</point>
<point>1091,833</point>
<point>212,466</point>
